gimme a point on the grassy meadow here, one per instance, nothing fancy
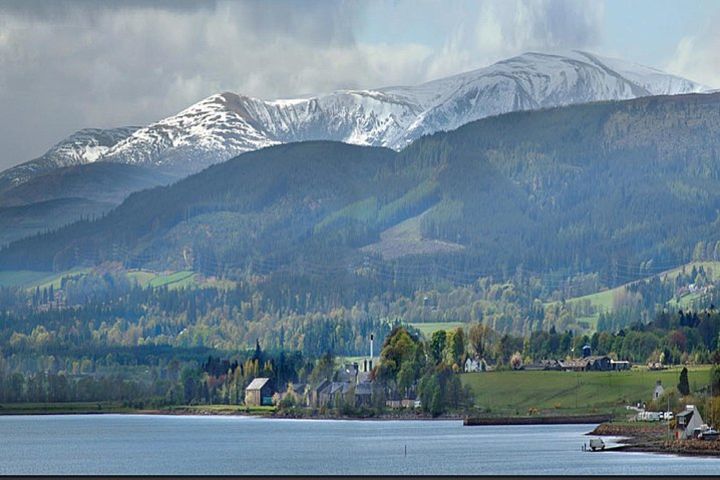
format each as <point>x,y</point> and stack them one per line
<point>515,392</point>
<point>146,278</point>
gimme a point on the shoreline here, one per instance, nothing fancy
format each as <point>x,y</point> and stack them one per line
<point>653,438</point>
<point>538,420</point>
<point>266,412</point>
<point>213,410</point>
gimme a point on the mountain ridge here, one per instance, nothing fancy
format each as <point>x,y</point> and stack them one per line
<point>224,125</point>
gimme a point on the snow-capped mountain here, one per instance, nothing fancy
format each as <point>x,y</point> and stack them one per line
<point>80,148</point>
<point>227,124</point>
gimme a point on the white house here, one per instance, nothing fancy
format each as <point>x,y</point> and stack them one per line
<point>659,390</point>
<point>472,365</point>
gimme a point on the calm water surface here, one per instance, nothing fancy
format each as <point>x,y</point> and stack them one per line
<point>147,444</point>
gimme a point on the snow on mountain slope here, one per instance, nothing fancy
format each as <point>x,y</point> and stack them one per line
<point>225,125</point>
<point>82,147</point>
<point>535,80</point>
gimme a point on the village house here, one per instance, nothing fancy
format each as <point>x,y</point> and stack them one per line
<point>658,391</point>
<point>339,393</point>
<point>319,395</point>
<point>259,392</point>
<point>296,391</point>
<point>351,386</point>
<point>363,394</point>
<point>348,373</point>
<point>688,423</point>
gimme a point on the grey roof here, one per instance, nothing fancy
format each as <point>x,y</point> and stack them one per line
<point>325,384</point>
<point>341,387</point>
<point>347,372</point>
<point>685,413</point>
<point>363,388</point>
<point>257,383</point>
<point>298,387</point>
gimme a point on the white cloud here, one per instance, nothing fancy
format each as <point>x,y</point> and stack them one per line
<point>489,31</point>
<point>696,57</point>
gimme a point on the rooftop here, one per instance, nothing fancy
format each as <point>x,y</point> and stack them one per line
<point>257,383</point>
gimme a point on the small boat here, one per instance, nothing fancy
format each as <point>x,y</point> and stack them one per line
<point>709,434</point>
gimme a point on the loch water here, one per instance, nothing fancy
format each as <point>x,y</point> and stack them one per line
<point>233,445</point>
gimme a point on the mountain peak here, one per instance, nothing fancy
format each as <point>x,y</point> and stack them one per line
<point>226,124</point>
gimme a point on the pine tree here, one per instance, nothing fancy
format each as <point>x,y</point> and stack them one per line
<point>683,385</point>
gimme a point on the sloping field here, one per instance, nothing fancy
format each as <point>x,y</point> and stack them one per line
<point>31,279</point>
<point>603,301</point>
<point>405,238</point>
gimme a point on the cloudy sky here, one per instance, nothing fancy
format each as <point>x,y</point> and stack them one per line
<point>65,65</point>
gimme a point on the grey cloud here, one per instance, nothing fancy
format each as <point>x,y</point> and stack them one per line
<point>57,10</point>
<point>67,65</point>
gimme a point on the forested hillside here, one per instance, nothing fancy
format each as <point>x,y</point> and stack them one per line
<point>580,189</point>
<point>54,199</point>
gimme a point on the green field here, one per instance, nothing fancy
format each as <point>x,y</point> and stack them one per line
<point>20,278</point>
<point>145,278</point>
<point>30,279</point>
<point>514,392</point>
<point>427,329</point>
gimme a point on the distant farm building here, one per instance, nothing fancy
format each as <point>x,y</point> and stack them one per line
<point>544,365</point>
<point>656,366</point>
<point>586,364</point>
<point>259,392</point>
<point>620,365</point>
